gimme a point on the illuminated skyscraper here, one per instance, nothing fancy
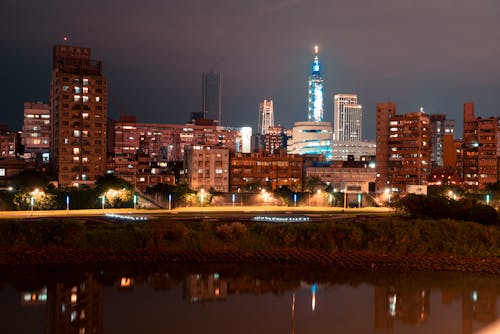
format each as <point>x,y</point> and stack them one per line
<point>78,100</point>
<point>313,136</point>
<point>315,91</point>
<point>212,96</point>
<point>266,116</point>
<point>347,118</point>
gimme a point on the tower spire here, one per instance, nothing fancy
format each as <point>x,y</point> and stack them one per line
<point>315,90</point>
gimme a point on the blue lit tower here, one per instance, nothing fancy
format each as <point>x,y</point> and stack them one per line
<point>315,91</point>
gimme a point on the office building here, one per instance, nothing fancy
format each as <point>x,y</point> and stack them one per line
<point>481,149</point>
<point>78,99</point>
<point>212,96</point>
<point>403,150</point>
<point>347,118</point>
<point>266,116</point>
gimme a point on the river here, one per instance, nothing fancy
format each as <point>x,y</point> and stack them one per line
<point>242,299</point>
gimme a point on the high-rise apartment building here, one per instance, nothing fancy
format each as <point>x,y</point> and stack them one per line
<point>315,91</point>
<point>403,149</point>
<point>36,129</point>
<point>347,118</point>
<point>78,115</point>
<point>266,116</point>
<point>440,127</point>
<point>481,149</point>
<point>212,96</point>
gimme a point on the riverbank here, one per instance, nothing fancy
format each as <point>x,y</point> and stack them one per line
<point>349,260</point>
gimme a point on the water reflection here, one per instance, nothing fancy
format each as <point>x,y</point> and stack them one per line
<point>245,300</point>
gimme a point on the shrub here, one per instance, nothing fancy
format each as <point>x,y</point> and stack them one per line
<point>229,232</point>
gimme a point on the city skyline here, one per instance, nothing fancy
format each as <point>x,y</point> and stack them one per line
<point>154,54</point>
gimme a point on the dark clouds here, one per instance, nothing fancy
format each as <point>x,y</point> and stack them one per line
<point>438,54</point>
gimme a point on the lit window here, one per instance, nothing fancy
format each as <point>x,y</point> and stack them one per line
<point>66,140</point>
<point>85,115</point>
<point>85,90</point>
<point>76,150</point>
<point>78,90</point>
<point>2,171</point>
<point>76,158</point>
<point>85,81</point>
<point>85,159</point>
<point>98,99</point>
<point>73,316</point>
<point>30,116</point>
<point>65,88</point>
<point>85,98</point>
<point>76,133</point>
<point>77,98</point>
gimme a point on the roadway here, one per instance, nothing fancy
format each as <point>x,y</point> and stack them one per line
<point>210,212</point>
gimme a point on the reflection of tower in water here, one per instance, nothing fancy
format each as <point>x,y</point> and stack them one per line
<point>314,289</point>
<point>76,307</point>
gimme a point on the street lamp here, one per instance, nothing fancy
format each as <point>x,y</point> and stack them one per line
<point>135,201</point>
<point>169,202</point>
<point>67,202</point>
<point>202,194</point>
<point>103,200</point>
<point>387,193</point>
<point>233,197</point>
<point>32,203</point>
<point>295,199</point>
<point>330,199</point>
<point>487,199</point>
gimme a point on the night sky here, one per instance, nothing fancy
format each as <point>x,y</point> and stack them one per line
<point>432,53</point>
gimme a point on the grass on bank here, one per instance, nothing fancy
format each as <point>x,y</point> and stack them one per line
<point>383,234</point>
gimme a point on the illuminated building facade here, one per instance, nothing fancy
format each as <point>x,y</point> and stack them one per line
<point>481,149</point>
<point>403,150</point>
<point>146,154</point>
<point>212,96</point>
<point>275,140</point>
<point>10,144</point>
<point>440,127</point>
<point>207,167</point>
<point>36,129</point>
<point>311,138</point>
<point>347,118</point>
<point>315,91</point>
<point>266,116</point>
<point>249,172</point>
<point>341,150</point>
<point>78,100</point>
